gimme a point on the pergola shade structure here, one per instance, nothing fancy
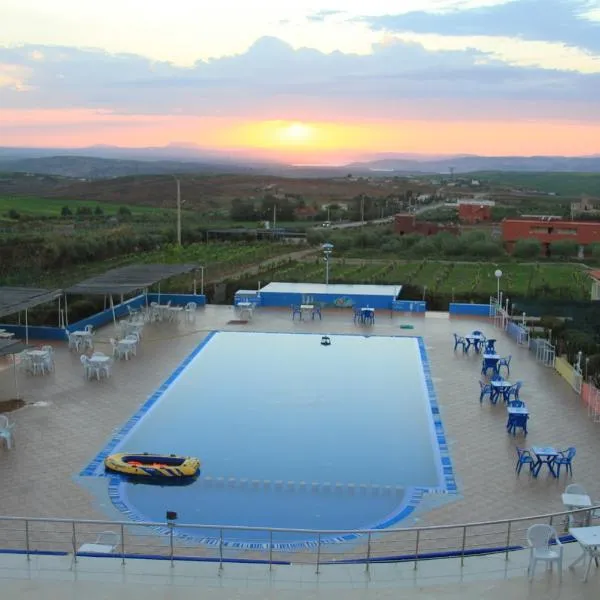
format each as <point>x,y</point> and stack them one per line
<point>8,347</point>
<point>126,280</point>
<point>16,299</point>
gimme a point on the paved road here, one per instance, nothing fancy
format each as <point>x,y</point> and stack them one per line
<point>352,224</point>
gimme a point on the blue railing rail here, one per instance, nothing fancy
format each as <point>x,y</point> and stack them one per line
<point>162,541</point>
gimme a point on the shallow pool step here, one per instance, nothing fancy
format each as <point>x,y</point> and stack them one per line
<point>301,486</point>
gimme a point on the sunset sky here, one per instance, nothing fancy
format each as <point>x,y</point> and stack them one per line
<point>306,81</point>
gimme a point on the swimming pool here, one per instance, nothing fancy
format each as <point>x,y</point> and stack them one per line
<point>291,434</point>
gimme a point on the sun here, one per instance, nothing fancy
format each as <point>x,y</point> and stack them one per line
<point>296,134</point>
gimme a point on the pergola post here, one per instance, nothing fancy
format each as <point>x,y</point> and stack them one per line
<point>66,312</point>
<point>26,328</point>
<point>112,307</point>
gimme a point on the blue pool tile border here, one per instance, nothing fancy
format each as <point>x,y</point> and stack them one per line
<point>96,467</point>
<point>411,500</point>
<point>447,471</point>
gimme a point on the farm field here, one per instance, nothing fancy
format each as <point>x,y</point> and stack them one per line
<point>218,260</point>
<point>443,278</point>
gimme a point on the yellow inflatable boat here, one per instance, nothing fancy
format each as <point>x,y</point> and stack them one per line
<point>152,465</point>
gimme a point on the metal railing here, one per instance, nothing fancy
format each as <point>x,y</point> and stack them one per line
<point>223,544</point>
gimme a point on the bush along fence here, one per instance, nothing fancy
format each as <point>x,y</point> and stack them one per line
<point>545,353</point>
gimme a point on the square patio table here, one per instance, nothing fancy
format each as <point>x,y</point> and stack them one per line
<point>474,340</point>
<point>501,387</point>
<point>589,540</point>
<point>517,410</point>
<point>546,455</point>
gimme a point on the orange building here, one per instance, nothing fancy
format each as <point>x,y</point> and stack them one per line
<point>475,211</point>
<point>548,230</point>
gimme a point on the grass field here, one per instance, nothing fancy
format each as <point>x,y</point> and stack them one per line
<point>445,278</point>
<point>564,184</point>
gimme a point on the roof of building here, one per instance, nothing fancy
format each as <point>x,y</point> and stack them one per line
<point>553,220</point>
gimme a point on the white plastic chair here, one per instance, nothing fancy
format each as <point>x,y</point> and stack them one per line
<point>25,362</point>
<point>6,431</point>
<point>49,359</point>
<point>38,365</point>
<point>575,488</point>
<point>74,342</point>
<point>539,540</point>
<point>87,367</point>
<point>190,312</point>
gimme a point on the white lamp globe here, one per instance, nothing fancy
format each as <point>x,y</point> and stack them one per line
<point>498,273</point>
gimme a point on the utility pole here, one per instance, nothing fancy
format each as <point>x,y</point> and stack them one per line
<point>362,208</point>
<point>274,216</point>
<point>178,211</point>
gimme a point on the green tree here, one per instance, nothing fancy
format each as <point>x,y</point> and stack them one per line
<point>242,210</point>
<point>564,248</point>
<point>13,214</point>
<point>84,211</point>
<point>527,249</point>
<point>98,211</point>
<point>65,211</point>
<point>124,211</point>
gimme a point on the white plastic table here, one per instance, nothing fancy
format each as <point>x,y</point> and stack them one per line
<point>589,540</point>
<point>128,345</point>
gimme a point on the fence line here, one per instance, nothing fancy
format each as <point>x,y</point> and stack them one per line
<point>173,541</point>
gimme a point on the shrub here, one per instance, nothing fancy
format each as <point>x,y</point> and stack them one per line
<point>65,211</point>
<point>13,214</point>
<point>527,249</point>
<point>564,248</point>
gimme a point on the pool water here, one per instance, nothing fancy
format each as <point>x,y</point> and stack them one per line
<point>291,434</point>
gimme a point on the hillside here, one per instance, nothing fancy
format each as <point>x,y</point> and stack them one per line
<point>201,192</point>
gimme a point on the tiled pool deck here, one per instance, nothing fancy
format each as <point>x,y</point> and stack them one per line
<point>72,419</point>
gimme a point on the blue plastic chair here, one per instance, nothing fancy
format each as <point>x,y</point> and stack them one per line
<point>460,341</point>
<point>357,314</point>
<point>296,310</point>
<point>370,317</point>
<point>517,422</point>
<point>524,457</point>
<point>490,346</point>
<point>565,458</point>
<point>516,403</point>
<point>514,390</point>
<point>486,390</point>
<point>505,362</point>
<point>316,311</point>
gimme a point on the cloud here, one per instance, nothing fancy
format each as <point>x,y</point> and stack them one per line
<point>322,15</point>
<point>398,80</point>
<point>570,22</point>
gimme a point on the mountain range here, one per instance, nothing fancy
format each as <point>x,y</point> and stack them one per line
<point>111,161</point>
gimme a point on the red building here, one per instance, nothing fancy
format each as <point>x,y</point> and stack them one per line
<point>405,224</point>
<point>548,230</point>
<point>474,211</point>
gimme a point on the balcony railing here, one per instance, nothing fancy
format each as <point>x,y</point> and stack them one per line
<point>173,541</point>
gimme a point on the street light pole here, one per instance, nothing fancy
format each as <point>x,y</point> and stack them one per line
<point>327,250</point>
<point>178,211</point>
<point>498,274</point>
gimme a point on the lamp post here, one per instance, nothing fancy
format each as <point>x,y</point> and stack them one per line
<point>498,274</point>
<point>327,250</point>
<point>178,210</point>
